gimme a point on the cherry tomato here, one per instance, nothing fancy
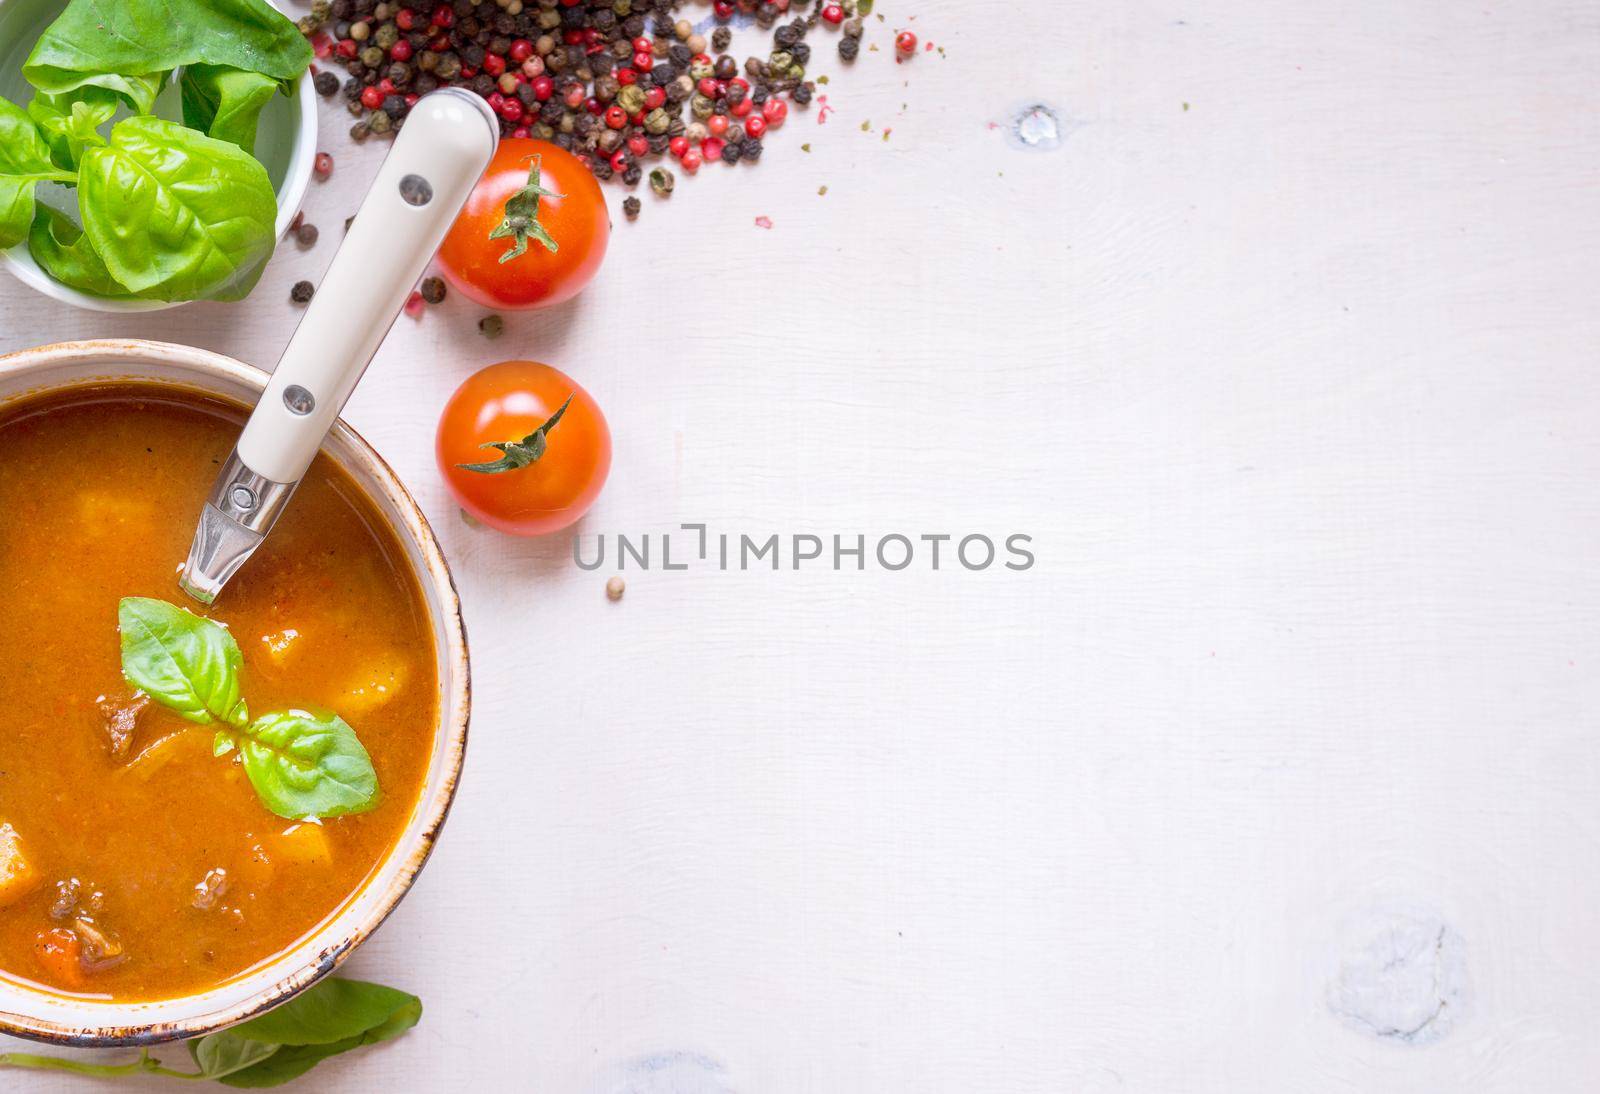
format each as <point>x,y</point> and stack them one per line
<point>572,214</point>
<point>506,404</point>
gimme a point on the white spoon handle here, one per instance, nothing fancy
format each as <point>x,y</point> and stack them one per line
<point>448,140</point>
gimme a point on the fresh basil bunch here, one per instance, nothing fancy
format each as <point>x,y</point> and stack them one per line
<point>328,1018</point>
<point>165,211</point>
<point>301,763</point>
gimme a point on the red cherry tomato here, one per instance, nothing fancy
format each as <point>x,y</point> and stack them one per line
<point>505,404</point>
<point>572,213</point>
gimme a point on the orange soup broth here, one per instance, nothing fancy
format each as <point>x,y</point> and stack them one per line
<point>100,491</point>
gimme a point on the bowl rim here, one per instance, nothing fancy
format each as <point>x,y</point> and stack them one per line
<point>291,194</point>
<point>450,741</point>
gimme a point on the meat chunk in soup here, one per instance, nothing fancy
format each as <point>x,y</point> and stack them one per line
<point>121,717</point>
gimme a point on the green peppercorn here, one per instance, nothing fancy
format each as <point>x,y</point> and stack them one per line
<point>490,326</point>
<point>701,106</point>
<point>662,182</point>
<point>657,122</point>
<point>631,98</point>
<point>373,57</point>
<point>386,36</point>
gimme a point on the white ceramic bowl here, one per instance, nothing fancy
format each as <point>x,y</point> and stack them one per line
<point>45,1016</point>
<point>286,143</point>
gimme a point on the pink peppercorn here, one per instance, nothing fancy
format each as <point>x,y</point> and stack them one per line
<point>775,111</point>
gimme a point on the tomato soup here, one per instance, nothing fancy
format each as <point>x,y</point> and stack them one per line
<point>136,862</point>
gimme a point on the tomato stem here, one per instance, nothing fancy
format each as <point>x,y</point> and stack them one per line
<point>515,455</point>
<point>522,217</point>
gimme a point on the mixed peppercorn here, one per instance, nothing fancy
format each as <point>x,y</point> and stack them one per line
<point>613,81</point>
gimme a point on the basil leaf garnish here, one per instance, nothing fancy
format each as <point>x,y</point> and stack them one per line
<point>114,44</point>
<point>71,121</point>
<point>308,765</point>
<point>182,661</point>
<point>24,163</point>
<point>175,214</point>
<point>225,103</point>
<point>332,1016</point>
<point>62,250</point>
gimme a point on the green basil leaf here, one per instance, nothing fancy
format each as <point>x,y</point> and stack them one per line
<point>61,249</point>
<point>222,1054</point>
<point>335,1009</point>
<point>177,215</point>
<point>115,43</point>
<point>186,663</point>
<point>289,1062</point>
<point>225,103</point>
<point>24,162</point>
<point>308,765</point>
<point>71,121</point>
<point>328,1018</point>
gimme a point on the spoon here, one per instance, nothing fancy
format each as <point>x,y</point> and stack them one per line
<point>438,157</point>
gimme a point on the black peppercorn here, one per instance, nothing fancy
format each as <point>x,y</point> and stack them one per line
<point>730,153</point>
<point>483,84</point>
<point>848,48</point>
<point>394,106</point>
<point>302,292</point>
<point>327,84</point>
<point>306,235</point>
<point>785,37</point>
<point>721,39</point>
<point>399,74</point>
<point>352,89</point>
<point>801,53</point>
<point>630,207</point>
<point>432,289</point>
<point>750,150</point>
<point>802,94</point>
<point>726,68</point>
<point>632,174</point>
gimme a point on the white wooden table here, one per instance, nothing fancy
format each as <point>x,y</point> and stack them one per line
<point>1279,771</point>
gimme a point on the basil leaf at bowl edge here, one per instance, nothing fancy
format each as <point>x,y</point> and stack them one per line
<point>61,249</point>
<point>308,765</point>
<point>175,214</point>
<point>330,1017</point>
<point>114,43</point>
<point>182,661</point>
<point>225,103</point>
<point>24,163</point>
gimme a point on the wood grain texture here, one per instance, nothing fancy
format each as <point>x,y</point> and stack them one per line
<point>1277,771</point>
